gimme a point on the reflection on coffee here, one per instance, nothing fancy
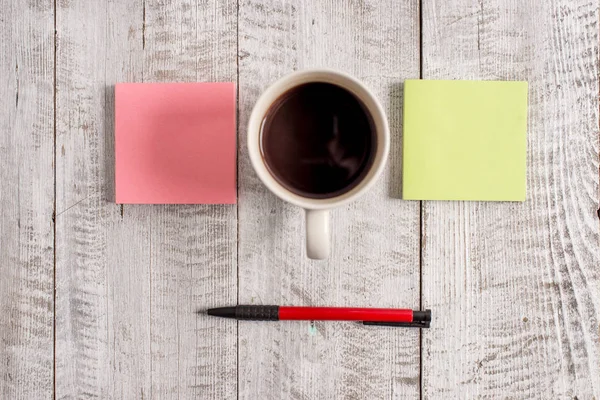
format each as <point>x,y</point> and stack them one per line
<point>318,140</point>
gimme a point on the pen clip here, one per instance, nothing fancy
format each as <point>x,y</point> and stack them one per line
<point>421,319</point>
<point>414,324</point>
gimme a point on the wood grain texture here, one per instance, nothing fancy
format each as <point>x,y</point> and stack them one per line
<point>26,199</point>
<point>515,287</point>
<point>102,257</point>
<point>375,254</point>
<point>131,278</point>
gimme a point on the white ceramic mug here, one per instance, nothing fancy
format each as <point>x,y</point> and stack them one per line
<point>317,210</point>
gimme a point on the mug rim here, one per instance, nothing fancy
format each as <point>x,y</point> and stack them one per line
<point>347,82</point>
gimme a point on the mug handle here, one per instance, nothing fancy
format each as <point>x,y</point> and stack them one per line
<point>317,234</point>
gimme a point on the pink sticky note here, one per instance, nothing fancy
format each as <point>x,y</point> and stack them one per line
<point>175,143</point>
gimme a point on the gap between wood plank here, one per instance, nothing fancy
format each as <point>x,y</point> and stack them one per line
<point>54,212</point>
<point>237,196</point>
<point>421,223</point>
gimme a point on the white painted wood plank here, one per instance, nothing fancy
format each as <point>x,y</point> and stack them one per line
<point>102,262</point>
<point>130,279</point>
<point>375,260</point>
<point>515,287</point>
<point>26,199</point>
<point>194,252</point>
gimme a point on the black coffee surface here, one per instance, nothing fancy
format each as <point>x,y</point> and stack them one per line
<point>318,140</point>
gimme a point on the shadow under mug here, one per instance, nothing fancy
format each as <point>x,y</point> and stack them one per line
<point>317,210</point>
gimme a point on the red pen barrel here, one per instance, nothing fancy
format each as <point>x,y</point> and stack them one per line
<point>345,314</point>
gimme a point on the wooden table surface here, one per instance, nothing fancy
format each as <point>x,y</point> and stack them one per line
<point>98,300</point>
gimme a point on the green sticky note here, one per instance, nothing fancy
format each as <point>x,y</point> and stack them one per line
<point>464,140</point>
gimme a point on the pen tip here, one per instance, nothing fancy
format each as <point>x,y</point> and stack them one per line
<point>227,312</point>
<point>201,312</point>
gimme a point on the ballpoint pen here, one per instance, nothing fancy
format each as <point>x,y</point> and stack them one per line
<point>368,316</point>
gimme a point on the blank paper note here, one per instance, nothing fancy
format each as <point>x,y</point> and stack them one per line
<point>464,140</point>
<point>175,143</point>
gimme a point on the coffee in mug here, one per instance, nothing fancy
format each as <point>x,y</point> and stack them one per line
<point>318,140</point>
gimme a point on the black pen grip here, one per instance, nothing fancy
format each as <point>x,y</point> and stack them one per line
<point>257,313</point>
